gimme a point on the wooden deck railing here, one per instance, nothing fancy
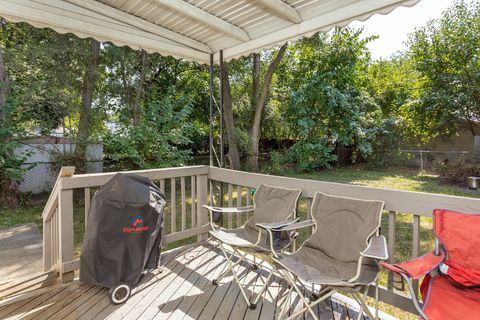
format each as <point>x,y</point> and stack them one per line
<point>187,189</point>
<point>417,204</point>
<point>58,216</point>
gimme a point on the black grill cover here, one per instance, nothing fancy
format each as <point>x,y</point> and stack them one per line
<point>123,234</point>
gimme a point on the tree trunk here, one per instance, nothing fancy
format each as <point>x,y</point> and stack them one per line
<point>139,91</point>
<point>233,152</point>
<point>255,80</point>
<point>86,105</point>
<point>8,187</point>
<point>260,105</point>
<point>4,87</point>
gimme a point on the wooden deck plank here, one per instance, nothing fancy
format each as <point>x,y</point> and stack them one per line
<point>9,309</point>
<point>102,303</point>
<point>138,293</point>
<point>239,310</point>
<point>60,302</point>
<point>182,291</point>
<point>234,305</point>
<point>75,309</point>
<point>224,309</point>
<point>210,308</point>
<point>270,299</point>
<point>149,306</point>
<point>139,299</point>
<point>42,301</point>
<point>166,310</point>
<point>198,290</point>
<point>89,303</point>
<point>201,301</point>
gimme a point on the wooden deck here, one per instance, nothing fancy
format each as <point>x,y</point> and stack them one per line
<point>183,290</point>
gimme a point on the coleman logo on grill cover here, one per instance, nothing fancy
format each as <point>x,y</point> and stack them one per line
<point>137,225</point>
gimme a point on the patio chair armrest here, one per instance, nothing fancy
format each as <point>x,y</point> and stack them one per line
<point>288,227</point>
<point>276,226</point>
<point>376,249</point>
<point>229,209</point>
<point>417,267</point>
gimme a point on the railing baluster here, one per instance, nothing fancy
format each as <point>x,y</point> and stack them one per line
<point>173,205</point>
<point>47,245</point>
<point>416,244</point>
<point>55,239</point>
<point>391,244</point>
<point>162,185</point>
<point>184,203</point>
<point>202,198</point>
<point>230,204</point>
<point>87,205</point>
<point>239,204</point>
<point>249,201</point>
<point>192,194</point>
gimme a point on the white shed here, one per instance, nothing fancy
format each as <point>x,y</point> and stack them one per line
<point>42,176</point>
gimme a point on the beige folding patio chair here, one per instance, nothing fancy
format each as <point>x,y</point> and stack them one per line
<point>341,254</point>
<point>272,206</point>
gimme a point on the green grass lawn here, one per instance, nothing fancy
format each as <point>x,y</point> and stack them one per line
<point>391,178</point>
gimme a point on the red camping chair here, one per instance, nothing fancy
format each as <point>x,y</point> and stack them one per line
<point>451,286</point>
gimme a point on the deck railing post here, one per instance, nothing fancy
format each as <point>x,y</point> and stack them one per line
<point>202,198</point>
<point>65,205</point>
<point>50,222</point>
<point>47,245</point>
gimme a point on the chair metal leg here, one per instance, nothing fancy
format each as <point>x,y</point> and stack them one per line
<point>413,294</point>
<point>376,297</point>
<point>306,303</point>
<point>361,300</point>
<point>264,288</point>
<point>287,303</point>
<point>228,270</point>
<point>231,268</point>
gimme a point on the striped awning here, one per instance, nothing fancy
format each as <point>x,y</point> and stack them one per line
<point>194,29</point>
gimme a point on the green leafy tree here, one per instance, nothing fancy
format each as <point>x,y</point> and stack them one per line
<point>46,71</point>
<point>394,85</point>
<point>158,140</point>
<point>327,104</point>
<point>447,55</point>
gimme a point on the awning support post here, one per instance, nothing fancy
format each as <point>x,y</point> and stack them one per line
<point>211,89</point>
<point>222,155</point>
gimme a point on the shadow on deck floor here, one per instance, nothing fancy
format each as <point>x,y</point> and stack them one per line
<point>183,290</point>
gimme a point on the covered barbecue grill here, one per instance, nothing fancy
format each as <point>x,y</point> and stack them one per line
<point>123,234</point>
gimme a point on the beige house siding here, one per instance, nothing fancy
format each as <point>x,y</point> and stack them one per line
<point>463,141</point>
<point>461,145</point>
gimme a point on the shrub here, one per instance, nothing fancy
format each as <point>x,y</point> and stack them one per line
<point>275,163</point>
<point>161,139</point>
<point>309,156</point>
<point>457,172</point>
<point>69,158</point>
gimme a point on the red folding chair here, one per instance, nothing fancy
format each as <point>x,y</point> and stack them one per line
<point>451,285</point>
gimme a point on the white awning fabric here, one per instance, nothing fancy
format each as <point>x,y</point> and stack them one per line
<point>194,29</point>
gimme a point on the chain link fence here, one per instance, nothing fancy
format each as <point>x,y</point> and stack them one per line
<point>425,159</point>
